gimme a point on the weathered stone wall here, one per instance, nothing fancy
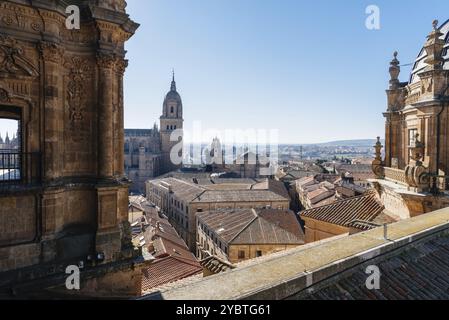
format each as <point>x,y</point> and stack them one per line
<point>316,230</point>
<point>66,87</point>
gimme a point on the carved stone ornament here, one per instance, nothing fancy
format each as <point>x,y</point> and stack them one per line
<point>51,52</point>
<point>13,60</point>
<point>76,94</point>
<point>377,164</point>
<point>4,96</point>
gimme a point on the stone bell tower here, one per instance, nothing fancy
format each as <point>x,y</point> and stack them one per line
<point>171,122</point>
<point>68,204</point>
<point>413,178</point>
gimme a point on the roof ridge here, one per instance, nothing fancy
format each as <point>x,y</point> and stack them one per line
<point>187,261</point>
<point>245,227</point>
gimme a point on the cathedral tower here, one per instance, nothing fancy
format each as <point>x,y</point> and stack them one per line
<point>171,122</point>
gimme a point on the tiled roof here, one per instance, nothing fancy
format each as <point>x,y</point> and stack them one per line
<point>355,168</point>
<point>212,196</point>
<point>226,190</point>
<point>164,247</point>
<point>325,202</point>
<point>304,181</point>
<point>250,226</point>
<point>319,195</point>
<point>167,270</point>
<point>420,272</point>
<point>183,189</point>
<point>366,208</point>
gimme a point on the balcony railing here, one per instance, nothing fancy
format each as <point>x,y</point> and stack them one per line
<point>395,175</point>
<point>19,169</point>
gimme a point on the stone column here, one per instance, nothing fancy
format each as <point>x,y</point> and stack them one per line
<point>120,143</point>
<point>53,99</point>
<point>106,63</point>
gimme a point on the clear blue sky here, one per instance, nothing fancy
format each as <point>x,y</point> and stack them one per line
<point>308,68</point>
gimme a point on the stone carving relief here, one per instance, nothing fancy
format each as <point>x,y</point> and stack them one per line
<point>51,52</point>
<point>20,17</point>
<point>13,60</point>
<point>415,173</point>
<point>77,94</point>
<point>116,5</point>
<point>4,96</point>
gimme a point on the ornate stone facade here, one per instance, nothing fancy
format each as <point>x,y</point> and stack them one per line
<point>413,177</point>
<point>65,87</point>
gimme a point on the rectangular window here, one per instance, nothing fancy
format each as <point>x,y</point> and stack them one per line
<point>258,253</point>
<point>412,136</point>
<point>241,254</point>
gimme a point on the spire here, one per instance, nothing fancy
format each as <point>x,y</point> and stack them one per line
<point>7,138</point>
<point>173,83</point>
<point>1,139</point>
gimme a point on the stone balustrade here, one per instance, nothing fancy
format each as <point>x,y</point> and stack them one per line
<point>395,175</point>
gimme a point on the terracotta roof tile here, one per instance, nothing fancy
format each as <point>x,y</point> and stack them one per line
<point>167,270</point>
<point>250,226</point>
<point>366,208</point>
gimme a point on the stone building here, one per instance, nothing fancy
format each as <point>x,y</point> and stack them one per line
<point>235,235</point>
<point>181,200</point>
<point>9,144</point>
<point>70,202</point>
<point>143,157</point>
<point>147,151</point>
<point>413,177</point>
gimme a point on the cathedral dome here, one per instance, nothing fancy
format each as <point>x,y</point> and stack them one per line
<point>173,94</point>
<point>419,64</point>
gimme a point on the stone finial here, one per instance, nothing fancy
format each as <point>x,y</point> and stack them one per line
<point>394,70</point>
<point>435,25</point>
<point>434,48</point>
<point>378,147</point>
<point>377,165</point>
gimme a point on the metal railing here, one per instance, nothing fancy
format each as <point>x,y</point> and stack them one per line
<point>19,168</point>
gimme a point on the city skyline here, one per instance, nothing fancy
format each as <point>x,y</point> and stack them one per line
<point>267,60</point>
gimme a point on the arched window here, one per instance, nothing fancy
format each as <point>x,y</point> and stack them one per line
<point>174,127</point>
<point>172,109</point>
<point>168,127</point>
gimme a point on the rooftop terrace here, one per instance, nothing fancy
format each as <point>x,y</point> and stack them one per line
<point>412,260</point>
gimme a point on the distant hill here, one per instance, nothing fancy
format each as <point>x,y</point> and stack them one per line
<point>350,143</point>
